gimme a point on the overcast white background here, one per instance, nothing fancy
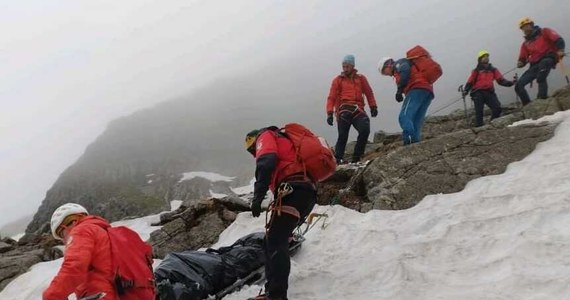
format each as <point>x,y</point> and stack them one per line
<point>67,68</point>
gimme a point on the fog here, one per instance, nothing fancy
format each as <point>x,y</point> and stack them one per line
<point>69,67</point>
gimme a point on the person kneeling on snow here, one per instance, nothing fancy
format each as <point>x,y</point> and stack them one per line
<point>88,266</point>
<point>295,197</point>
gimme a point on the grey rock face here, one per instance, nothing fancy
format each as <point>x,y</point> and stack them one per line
<point>446,163</point>
<point>451,154</point>
<point>195,225</point>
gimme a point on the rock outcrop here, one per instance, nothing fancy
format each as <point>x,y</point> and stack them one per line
<point>17,257</point>
<point>195,225</point>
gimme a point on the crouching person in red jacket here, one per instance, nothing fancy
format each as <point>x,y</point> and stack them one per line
<point>295,195</point>
<point>88,266</point>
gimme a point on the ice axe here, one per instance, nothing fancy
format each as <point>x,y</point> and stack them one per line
<point>462,91</point>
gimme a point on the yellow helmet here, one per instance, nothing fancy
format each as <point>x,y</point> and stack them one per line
<point>482,53</point>
<point>250,139</point>
<point>525,21</point>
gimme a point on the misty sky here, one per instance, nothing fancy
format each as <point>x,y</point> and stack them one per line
<point>68,67</point>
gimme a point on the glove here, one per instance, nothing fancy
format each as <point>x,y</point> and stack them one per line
<point>510,83</point>
<point>464,93</point>
<point>521,64</point>
<point>399,97</point>
<point>330,119</point>
<point>255,208</point>
<point>561,53</point>
<point>374,111</point>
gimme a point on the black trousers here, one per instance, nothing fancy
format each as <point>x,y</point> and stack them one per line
<point>278,262</point>
<point>538,71</point>
<point>361,123</point>
<point>482,98</point>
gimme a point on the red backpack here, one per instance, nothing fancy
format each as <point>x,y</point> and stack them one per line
<point>421,58</point>
<point>132,263</point>
<point>314,156</point>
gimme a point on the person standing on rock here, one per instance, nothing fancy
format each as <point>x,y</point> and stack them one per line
<point>418,90</point>
<point>295,195</point>
<point>346,100</point>
<point>543,48</point>
<point>482,89</point>
<point>88,264</point>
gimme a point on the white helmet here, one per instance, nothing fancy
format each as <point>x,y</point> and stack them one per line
<point>63,212</point>
<point>382,63</point>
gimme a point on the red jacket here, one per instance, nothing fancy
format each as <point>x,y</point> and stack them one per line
<point>274,153</point>
<point>87,267</point>
<point>541,43</point>
<point>349,90</point>
<point>482,78</point>
<point>409,77</point>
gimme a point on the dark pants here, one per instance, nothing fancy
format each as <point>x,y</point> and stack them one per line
<point>278,263</point>
<point>480,98</point>
<point>361,123</point>
<point>538,71</point>
<point>413,113</point>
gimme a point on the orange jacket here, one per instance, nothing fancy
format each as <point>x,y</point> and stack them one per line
<point>349,90</point>
<point>87,266</point>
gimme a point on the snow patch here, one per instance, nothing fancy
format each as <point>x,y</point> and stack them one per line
<point>217,195</point>
<point>175,204</point>
<point>244,190</point>
<point>206,175</point>
<point>17,237</point>
<point>555,118</point>
<point>503,237</point>
<point>141,225</point>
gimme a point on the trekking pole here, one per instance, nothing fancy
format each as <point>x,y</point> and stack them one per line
<point>460,89</point>
<point>564,71</point>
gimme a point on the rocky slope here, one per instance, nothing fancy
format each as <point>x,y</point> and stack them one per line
<point>396,177</point>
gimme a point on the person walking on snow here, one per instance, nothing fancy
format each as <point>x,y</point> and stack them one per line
<point>480,84</point>
<point>275,158</point>
<point>346,101</point>
<point>543,48</point>
<point>87,267</point>
<point>418,96</point>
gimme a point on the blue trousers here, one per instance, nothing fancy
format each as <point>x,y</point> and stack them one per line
<point>413,113</point>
